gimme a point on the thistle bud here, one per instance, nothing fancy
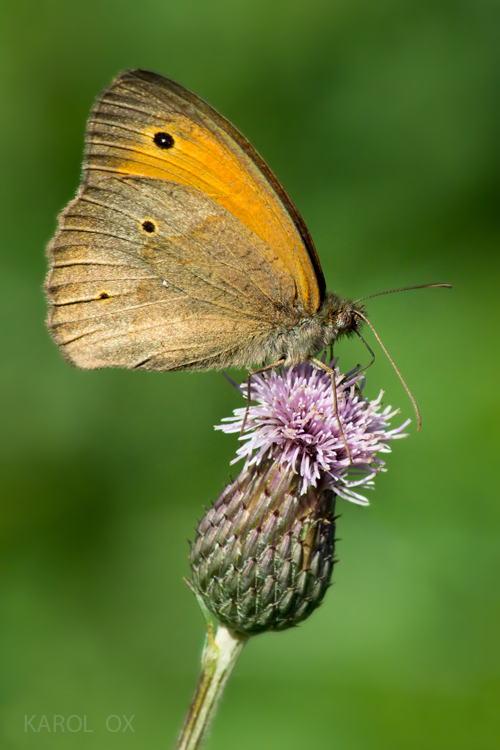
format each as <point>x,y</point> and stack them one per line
<point>263,554</point>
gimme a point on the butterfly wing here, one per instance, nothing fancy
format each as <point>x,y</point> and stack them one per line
<point>181,249</point>
<point>159,277</point>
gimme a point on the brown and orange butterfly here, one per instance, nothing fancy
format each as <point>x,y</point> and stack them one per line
<point>181,250</point>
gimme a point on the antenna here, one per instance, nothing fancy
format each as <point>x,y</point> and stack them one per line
<point>410,394</point>
<point>402,289</point>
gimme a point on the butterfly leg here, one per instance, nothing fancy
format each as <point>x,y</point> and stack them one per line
<point>321,365</point>
<point>249,380</point>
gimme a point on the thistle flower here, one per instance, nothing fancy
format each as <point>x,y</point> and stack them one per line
<point>263,554</point>
<point>294,422</point>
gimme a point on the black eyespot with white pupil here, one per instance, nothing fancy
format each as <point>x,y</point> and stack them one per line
<point>163,140</point>
<point>148,226</point>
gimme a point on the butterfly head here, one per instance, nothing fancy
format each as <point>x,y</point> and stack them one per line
<point>341,316</point>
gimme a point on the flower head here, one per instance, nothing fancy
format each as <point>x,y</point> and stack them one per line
<point>293,422</point>
<point>264,552</point>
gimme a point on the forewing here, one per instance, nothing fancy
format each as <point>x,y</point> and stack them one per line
<point>149,273</point>
<point>209,155</point>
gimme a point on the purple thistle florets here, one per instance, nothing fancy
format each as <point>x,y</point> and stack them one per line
<point>294,422</point>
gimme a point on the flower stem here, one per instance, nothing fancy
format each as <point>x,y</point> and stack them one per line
<point>217,662</point>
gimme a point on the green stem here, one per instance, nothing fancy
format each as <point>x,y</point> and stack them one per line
<point>217,662</point>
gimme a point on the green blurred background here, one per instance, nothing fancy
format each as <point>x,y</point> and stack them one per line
<point>382,121</point>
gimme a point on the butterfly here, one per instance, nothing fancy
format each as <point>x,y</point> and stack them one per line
<point>181,250</point>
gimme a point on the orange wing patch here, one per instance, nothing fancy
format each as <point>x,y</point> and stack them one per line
<point>141,128</point>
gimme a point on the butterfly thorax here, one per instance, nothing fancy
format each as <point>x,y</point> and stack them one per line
<point>309,335</point>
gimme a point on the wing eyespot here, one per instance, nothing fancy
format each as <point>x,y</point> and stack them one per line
<point>163,140</point>
<point>103,295</point>
<point>148,226</point>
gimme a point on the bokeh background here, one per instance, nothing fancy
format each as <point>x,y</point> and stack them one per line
<point>382,121</point>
